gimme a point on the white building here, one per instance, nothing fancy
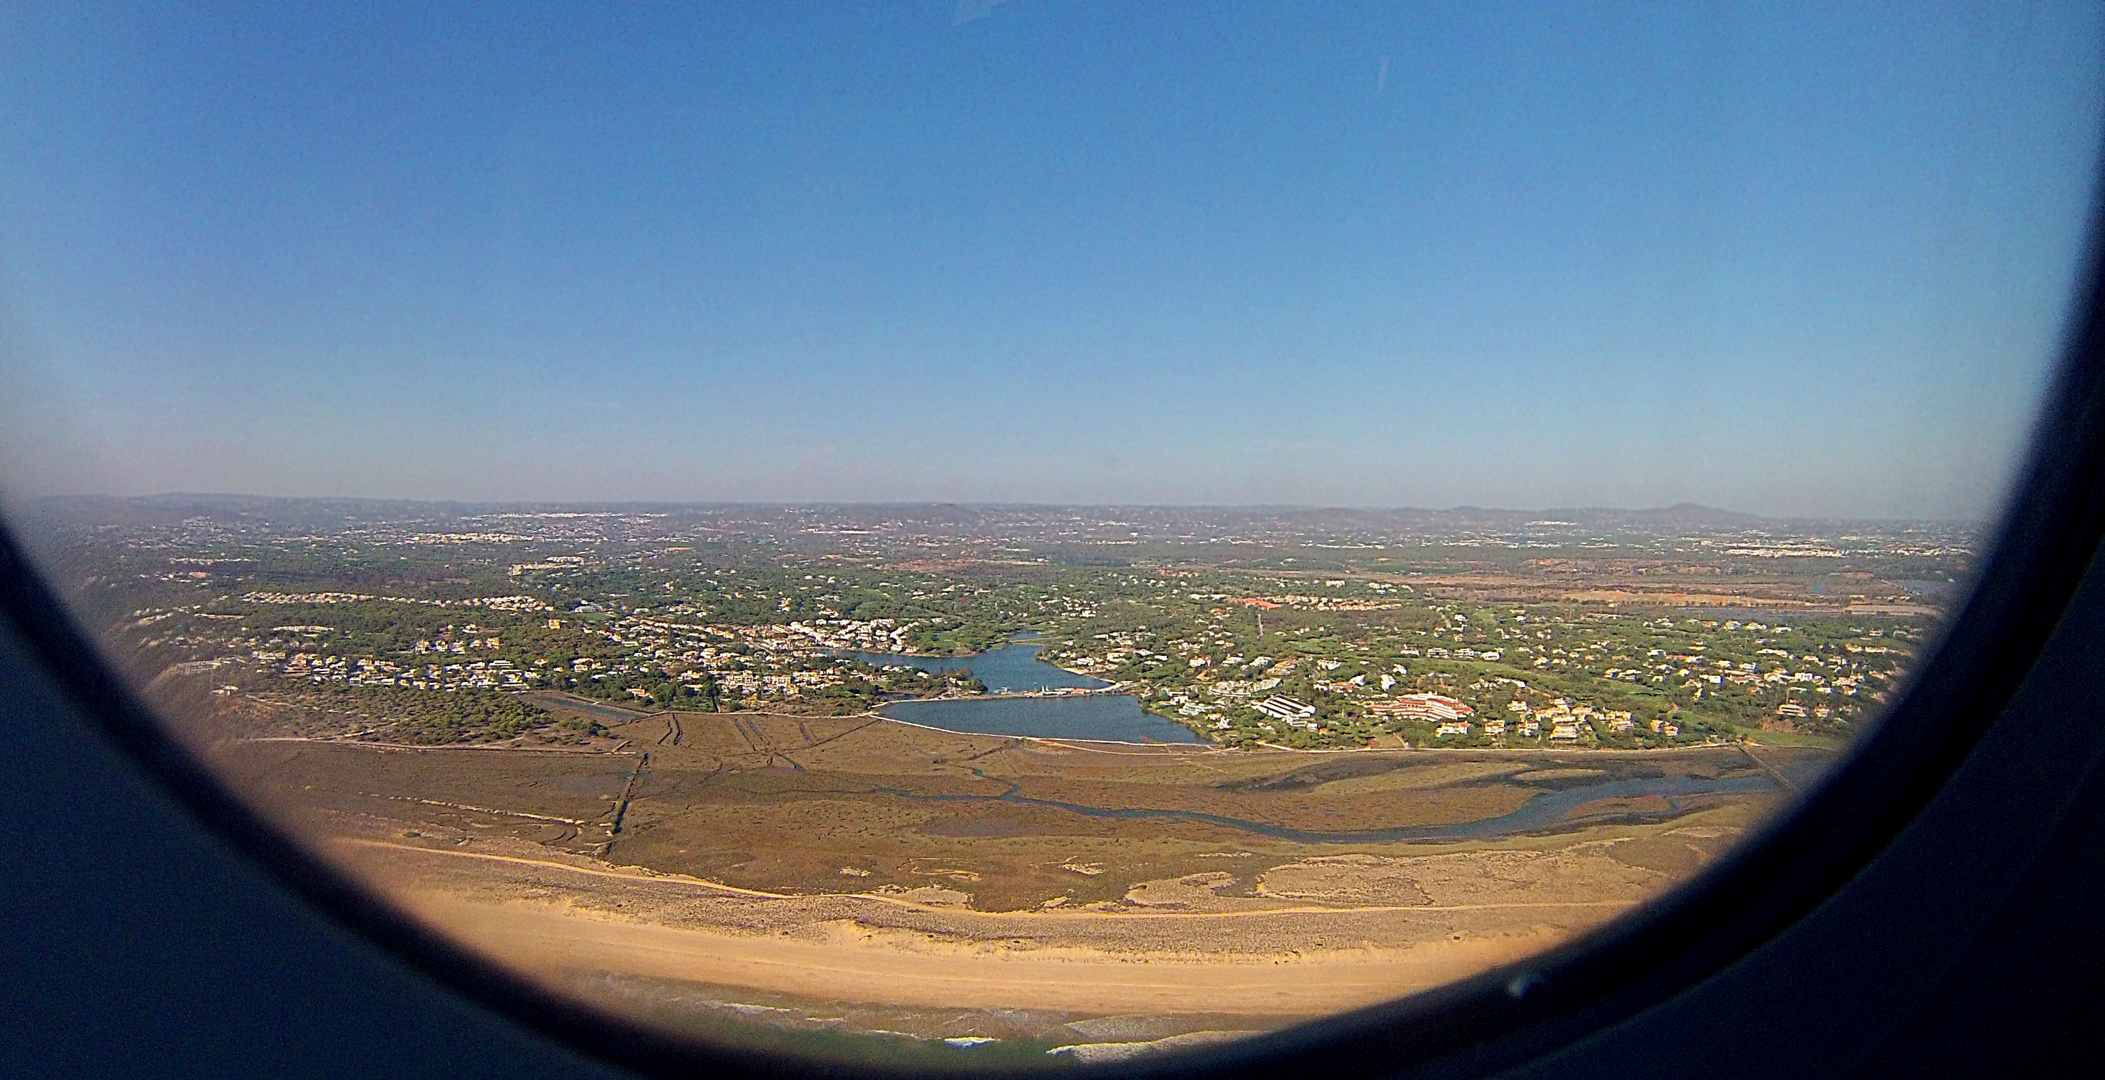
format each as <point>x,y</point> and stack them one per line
<point>1279,707</point>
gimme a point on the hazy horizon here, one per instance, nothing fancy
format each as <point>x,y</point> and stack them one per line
<point>973,504</point>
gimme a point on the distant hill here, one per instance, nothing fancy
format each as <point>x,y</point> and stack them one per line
<point>1686,515</point>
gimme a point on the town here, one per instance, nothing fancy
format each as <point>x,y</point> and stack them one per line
<point>1303,630</point>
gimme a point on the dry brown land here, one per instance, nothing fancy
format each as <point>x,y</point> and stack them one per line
<point>1625,584</point>
<point>863,872</point>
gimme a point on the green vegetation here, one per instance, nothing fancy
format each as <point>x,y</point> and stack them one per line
<point>1609,640</point>
<point>436,719</point>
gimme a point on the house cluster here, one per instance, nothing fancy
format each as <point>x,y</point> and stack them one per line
<point>1436,708</point>
<point>1315,603</point>
<point>552,563</point>
<point>1238,689</point>
<point>1451,715</point>
<point>767,660</point>
<point>856,635</point>
<point>491,603</point>
<point>1791,712</point>
<point>1569,722</point>
<point>1436,653</point>
<point>1122,649</point>
<point>373,671</point>
<point>775,684</point>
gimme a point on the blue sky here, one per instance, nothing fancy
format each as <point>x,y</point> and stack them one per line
<point>1798,259</point>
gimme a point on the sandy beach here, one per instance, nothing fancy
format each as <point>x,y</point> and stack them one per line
<point>859,966</point>
<point>819,875</point>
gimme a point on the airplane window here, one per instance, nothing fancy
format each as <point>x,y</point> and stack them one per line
<point>1016,534</point>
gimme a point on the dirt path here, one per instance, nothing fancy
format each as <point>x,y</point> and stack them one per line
<point>621,803</point>
<point>1774,773</point>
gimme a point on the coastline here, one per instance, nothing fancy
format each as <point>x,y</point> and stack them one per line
<point>559,918</point>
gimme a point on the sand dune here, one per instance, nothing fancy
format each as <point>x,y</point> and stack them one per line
<point>548,940</point>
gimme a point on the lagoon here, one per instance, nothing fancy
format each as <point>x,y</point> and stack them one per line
<point>1548,810</point>
<point>1016,669</point>
<point>1012,669</point>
